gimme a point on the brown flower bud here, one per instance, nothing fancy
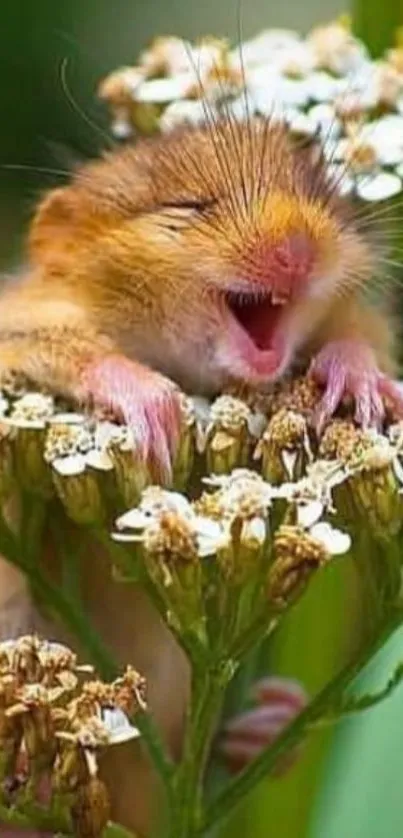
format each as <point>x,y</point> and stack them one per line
<point>91,809</point>
<point>297,555</point>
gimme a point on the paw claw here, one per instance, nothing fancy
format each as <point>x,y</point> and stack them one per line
<point>146,401</point>
<point>348,369</point>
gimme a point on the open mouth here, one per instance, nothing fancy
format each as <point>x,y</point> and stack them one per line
<point>258,316</point>
<point>255,329</point>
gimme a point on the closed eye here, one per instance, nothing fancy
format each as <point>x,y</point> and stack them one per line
<point>194,204</point>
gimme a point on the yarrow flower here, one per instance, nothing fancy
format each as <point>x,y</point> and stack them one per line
<point>324,86</point>
<point>53,726</point>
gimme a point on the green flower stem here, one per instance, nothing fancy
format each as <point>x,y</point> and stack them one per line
<point>37,817</point>
<point>207,699</point>
<point>295,732</point>
<point>155,747</point>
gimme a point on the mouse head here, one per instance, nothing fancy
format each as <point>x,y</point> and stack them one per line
<point>231,230</point>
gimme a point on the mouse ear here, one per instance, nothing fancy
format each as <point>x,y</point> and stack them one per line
<point>54,228</point>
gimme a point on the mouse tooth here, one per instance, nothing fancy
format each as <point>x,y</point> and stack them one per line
<point>278,298</point>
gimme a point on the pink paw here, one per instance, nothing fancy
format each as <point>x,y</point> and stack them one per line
<point>280,700</point>
<point>146,401</point>
<point>349,369</point>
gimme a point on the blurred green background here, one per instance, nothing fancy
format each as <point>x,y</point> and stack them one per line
<point>348,782</point>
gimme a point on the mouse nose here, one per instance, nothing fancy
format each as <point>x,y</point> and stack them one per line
<point>289,265</point>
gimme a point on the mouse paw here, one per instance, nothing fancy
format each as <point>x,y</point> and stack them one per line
<point>349,369</point>
<point>145,400</point>
<point>280,700</point>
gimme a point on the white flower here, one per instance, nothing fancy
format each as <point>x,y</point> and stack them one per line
<point>154,502</point>
<point>253,532</point>
<point>326,121</point>
<point>335,542</point>
<point>269,90</point>
<point>33,410</point>
<point>185,111</point>
<point>378,187</point>
<point>263,48</point>
<point>163,91</point>
<point>312,495</point>
<point>323,87</point>
<point>70,466</point>
<point>69,418</point>
<point>336,49</point>
<point>212,536</point>
<point>118,726</point>
<point>340,179</point>
<point>309,513</point>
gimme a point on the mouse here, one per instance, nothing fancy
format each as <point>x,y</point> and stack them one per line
<point>210,256</point>
<point>214,254</point>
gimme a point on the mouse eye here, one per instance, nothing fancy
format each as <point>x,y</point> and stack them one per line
<point>193,204</point>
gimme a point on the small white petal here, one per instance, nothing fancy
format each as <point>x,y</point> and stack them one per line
<point>67,419</point>
<point>334,541</point>
<point>340,179</point>
<point>390,154</point>
<point>34,424</point>
<point>69,466</point>
<point>380,187</point>
<point>301,123</point>
<point>323,87</point>
<point>183,111</point>
<point>326,120</point>
<point>211,536</point>
<point>253,533</point>
<point>256,424</point>
<point>118,726</point>
<point>99,460</point>
<point>289,459</point>
<point>263,47</point>
<point>309,513</point>
<point>121,129</point>
<point>398,470</point>
<point>159,91</point>
<point>126,537</point>
<point>134,519</point>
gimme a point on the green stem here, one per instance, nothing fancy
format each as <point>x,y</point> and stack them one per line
<point>155,747</point>
<point>295,732</point>
<point>208,695</point>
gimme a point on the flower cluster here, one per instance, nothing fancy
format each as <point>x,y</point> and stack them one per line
<point>54,725</point>
<point>324,86</point>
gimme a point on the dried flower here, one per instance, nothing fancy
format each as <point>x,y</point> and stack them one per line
<point>91,809</point>
<point>297,554</point>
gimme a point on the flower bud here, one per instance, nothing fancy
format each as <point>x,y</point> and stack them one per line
<point>29,416</point>
<point>371,492</point>
<point>296,556</point>
<point>185,454</point>
<point>228,439</point>
<point>130,472</point>
<point>91,809</point>
<point>284,448</point>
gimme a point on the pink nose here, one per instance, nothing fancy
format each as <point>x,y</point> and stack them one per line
<point>289,265</point>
